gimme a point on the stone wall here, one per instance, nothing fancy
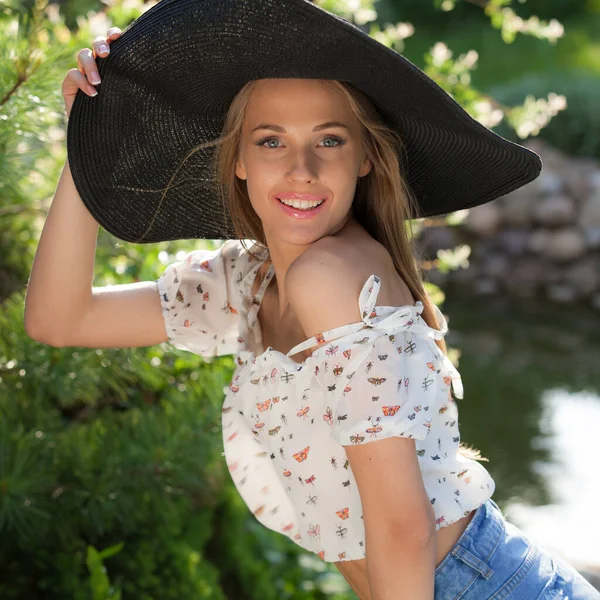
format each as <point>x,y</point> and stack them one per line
<point>540,240</point>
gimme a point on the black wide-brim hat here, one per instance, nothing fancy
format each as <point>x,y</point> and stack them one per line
<point>169,80</point>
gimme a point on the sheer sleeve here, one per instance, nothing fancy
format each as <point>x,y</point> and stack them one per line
<point>200,303</point>
<point>385,375</point>
<point>399,383</point>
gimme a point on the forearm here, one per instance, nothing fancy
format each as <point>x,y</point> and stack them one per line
<point>401,567</point>
<point>60,283</point>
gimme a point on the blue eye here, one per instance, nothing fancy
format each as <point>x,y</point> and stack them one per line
<point>262,141</point>
<point>339,141</point>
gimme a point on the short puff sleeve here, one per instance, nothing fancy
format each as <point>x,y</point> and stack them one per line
<point>200,304</point>
<point>395,388</point>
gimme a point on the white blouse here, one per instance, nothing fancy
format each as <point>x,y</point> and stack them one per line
<point>285,424</point>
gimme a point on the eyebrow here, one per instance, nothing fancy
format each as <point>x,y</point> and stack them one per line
<point>280,129</point>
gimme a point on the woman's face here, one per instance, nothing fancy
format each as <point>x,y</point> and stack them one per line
<point>284,150</point>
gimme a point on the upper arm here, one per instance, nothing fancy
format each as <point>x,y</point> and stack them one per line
<point>195,305</point>
<point>119,316</point>
<point>387,471</point>
<point>391,488</point>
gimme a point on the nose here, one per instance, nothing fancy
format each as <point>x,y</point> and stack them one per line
<point>303,166</point>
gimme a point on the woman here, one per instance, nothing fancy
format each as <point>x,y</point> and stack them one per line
<point>331,281</point>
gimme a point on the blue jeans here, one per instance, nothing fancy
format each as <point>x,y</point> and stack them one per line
<point>494,560</point>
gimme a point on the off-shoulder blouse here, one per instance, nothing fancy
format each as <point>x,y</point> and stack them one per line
<point>285,424</point>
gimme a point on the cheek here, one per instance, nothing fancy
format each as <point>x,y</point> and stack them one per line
<point>259,184</point>
<point>259,170</point>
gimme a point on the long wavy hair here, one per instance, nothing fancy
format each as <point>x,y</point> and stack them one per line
<point>383,203</point>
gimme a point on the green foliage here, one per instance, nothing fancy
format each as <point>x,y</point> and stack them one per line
<point>435,12</point>
<point>121,448</point>
<point>99,582</point>
<point>576,130</point>
<point>29,93</point>
<point>112,479</point>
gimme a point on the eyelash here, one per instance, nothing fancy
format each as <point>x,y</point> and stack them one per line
<point>338,139</point>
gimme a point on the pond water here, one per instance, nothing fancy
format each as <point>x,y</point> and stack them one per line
<point>531,376</point>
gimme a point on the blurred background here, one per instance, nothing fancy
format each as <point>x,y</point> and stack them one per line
<point>112,479</point>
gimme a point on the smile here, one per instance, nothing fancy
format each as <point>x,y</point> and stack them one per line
<point>301,209</point>
<point>301,204</point>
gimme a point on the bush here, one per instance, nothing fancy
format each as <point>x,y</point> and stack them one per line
<point>576,130</point>
<point>102,447</point>
<point>426,14</point>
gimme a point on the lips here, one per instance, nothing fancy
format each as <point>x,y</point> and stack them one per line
<point>301,213</point>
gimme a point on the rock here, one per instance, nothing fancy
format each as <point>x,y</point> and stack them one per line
<point>481,247</point>
<point>517,208</point>
<point>538,240</point>
<point>565,244</point>
<point>525,276</point>
<point>584,276</point>
<point>483,219</point>
<point>591,235</point>
<point>577,179</point>
<point>594,180</point>
<point>559,292</point>
<point>553,273</point>
<point>554,211</point>
<point>589,215</point>
<point>514,241</point>
<point>495,265</point>
<point>548,182</point>
<point>553,159</point>
<point>544,236</point>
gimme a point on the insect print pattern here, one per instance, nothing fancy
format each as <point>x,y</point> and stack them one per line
<point>285,425</point>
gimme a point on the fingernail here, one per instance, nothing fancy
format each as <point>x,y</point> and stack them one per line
<point>94,93</point>
<point>95,77</point>
<point>102,48</point>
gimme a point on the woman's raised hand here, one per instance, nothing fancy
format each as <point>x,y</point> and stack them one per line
<point>86,76</point>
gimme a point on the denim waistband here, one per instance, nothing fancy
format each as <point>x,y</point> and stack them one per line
<point>471,557</point>
<point>479,540</point>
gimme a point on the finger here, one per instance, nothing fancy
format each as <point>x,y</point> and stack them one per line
<point>100,46</point>
<point>88,66</point>
<point>77,80</point>
<point>113,33</point>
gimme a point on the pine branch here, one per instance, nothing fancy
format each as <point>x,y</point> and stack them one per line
<point>20,80</point>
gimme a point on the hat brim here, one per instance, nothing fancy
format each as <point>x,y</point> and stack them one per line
<point>170,78</point>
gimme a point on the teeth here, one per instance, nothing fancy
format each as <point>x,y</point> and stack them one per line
<point>301,204</point>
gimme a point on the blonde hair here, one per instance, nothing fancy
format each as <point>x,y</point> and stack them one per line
<point>383,202</point>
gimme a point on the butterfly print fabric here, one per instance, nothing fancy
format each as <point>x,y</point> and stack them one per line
<point>285,424</point>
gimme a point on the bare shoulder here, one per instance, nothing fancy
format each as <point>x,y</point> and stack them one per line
<point>324,283</point>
